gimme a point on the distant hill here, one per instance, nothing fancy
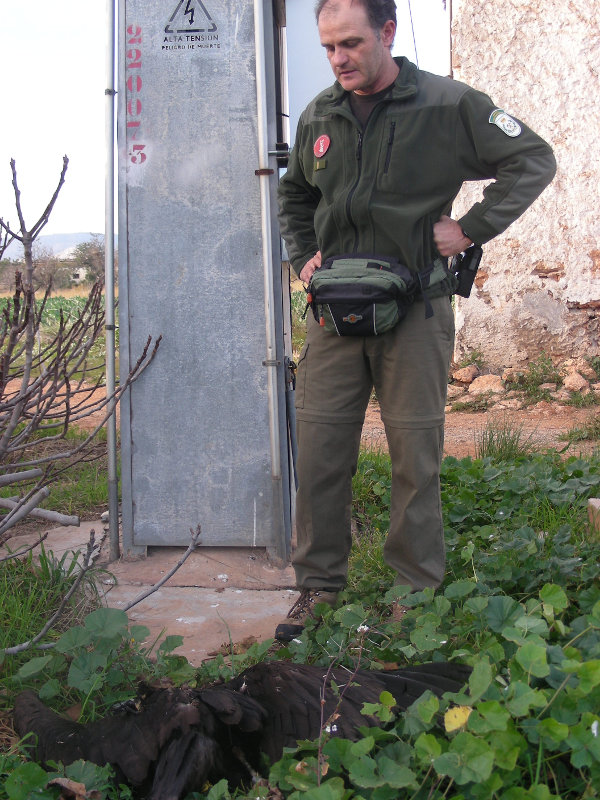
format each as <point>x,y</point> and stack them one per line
<point>57,242</point>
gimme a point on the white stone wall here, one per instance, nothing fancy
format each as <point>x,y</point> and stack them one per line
<point>538,289</point>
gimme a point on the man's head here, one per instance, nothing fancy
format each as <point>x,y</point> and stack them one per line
<point>378,11</point>
<point>357,36</point>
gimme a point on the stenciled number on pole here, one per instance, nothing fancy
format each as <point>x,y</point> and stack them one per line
<point>133,68</point>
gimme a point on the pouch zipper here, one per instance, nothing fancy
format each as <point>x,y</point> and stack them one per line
<point>390,142</point>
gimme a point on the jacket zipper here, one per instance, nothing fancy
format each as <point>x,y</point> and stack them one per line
<point>390,142</point>
<point>353,189</point>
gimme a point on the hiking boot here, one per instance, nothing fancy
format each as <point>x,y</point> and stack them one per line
<point>303,608</point>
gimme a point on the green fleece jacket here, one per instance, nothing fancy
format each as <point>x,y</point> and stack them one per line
<point>381,189</point>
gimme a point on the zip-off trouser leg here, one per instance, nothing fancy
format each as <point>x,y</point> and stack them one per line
<point>408,366</point>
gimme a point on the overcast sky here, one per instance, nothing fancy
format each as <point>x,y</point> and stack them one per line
<point>52,61</point>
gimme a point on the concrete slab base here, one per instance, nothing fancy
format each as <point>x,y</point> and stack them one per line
<point>219,597</point>
<point>208,620</point>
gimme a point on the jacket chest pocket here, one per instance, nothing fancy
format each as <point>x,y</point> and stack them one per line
<point>413,156</point>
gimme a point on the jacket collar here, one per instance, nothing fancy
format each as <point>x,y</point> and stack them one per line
<point>405,86</point>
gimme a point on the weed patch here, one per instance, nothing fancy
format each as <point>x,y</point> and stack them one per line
<point>539,372</point>
<point>79,488</point>
<point>580,400</point>
<point>589,431</point>
<point>473,405</point>
<point>520,604</point>
<point>502,440</point>
<point>32,588</point>
<point>475,357</point>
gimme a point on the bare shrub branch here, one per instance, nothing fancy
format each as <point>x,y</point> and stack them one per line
<point>48,378</point>
<point>192,546</point>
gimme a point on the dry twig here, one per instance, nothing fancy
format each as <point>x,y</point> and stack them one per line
<point>192,546</point>
<point>47,383</point>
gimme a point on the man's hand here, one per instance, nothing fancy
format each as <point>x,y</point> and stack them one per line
<point>449,238</point>
<point>311,265</point>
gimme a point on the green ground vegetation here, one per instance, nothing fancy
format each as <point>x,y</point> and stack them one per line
<point>590,430</point>
<point>520,604</point>
<point>69,308</point>
<point>540,371</point>
<point>79,488</point>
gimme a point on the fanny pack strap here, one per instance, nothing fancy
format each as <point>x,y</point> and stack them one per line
<point>430,276</point>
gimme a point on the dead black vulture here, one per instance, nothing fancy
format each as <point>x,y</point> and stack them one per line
<point>173,741</point>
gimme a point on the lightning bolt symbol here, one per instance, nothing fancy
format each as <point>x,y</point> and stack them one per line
<point>189,11</point>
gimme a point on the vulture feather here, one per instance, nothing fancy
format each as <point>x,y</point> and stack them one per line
<point>173,741</point>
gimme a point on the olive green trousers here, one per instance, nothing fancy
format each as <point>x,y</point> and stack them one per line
<point>408,367</point>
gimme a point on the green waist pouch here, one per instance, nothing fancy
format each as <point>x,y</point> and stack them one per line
<point>361,295</point>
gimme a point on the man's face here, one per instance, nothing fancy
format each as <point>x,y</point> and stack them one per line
<point>359,57</point>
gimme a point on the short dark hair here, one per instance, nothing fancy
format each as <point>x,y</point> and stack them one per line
<point>378,11</point>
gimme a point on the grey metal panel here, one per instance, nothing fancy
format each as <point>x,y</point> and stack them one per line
<point>195,431</point>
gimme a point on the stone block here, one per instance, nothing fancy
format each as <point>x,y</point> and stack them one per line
<point>466,374</point>
<point>487,383</point>
<point>455,391</point>
<point>575,382</point>
<point>594,516</point>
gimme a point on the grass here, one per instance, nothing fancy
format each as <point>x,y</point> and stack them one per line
<point>540,371</point>
<point>502,439</point>
<point>589,431</point>
<point>594,363</point>
<point>475,357</point>
<point>80,488</point>
<point>473,405</point>
<point>31,589</point>
<point>580,400</point>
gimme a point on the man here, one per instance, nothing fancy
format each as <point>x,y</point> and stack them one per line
<point>378,159</point>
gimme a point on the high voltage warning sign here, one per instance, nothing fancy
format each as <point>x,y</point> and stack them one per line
<point>190,16</point>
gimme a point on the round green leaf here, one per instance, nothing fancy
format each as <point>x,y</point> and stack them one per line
<point>364,773</point>
<point>427,747</point>
<point>502,611</point>
<point>107,623</point>
<point>480,679</point>
<point>396,775</point>
<point>532,657</point>
<point>589,675</point>
<point>459,589</point>
<point>33,667</point>
<point>26,782</point>
<point>550,728</point>
<point>73,639</point>
<point>554,596</point>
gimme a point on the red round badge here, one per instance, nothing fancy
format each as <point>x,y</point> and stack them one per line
<point>321,145</point>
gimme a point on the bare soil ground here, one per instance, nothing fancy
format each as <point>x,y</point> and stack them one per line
<point>542,426</point>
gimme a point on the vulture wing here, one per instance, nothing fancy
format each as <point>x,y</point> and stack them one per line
<point>291,696</point>
<point>180,738</point>
<point>175,741</point>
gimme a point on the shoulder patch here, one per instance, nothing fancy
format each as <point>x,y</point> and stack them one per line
<point>505,122</point>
